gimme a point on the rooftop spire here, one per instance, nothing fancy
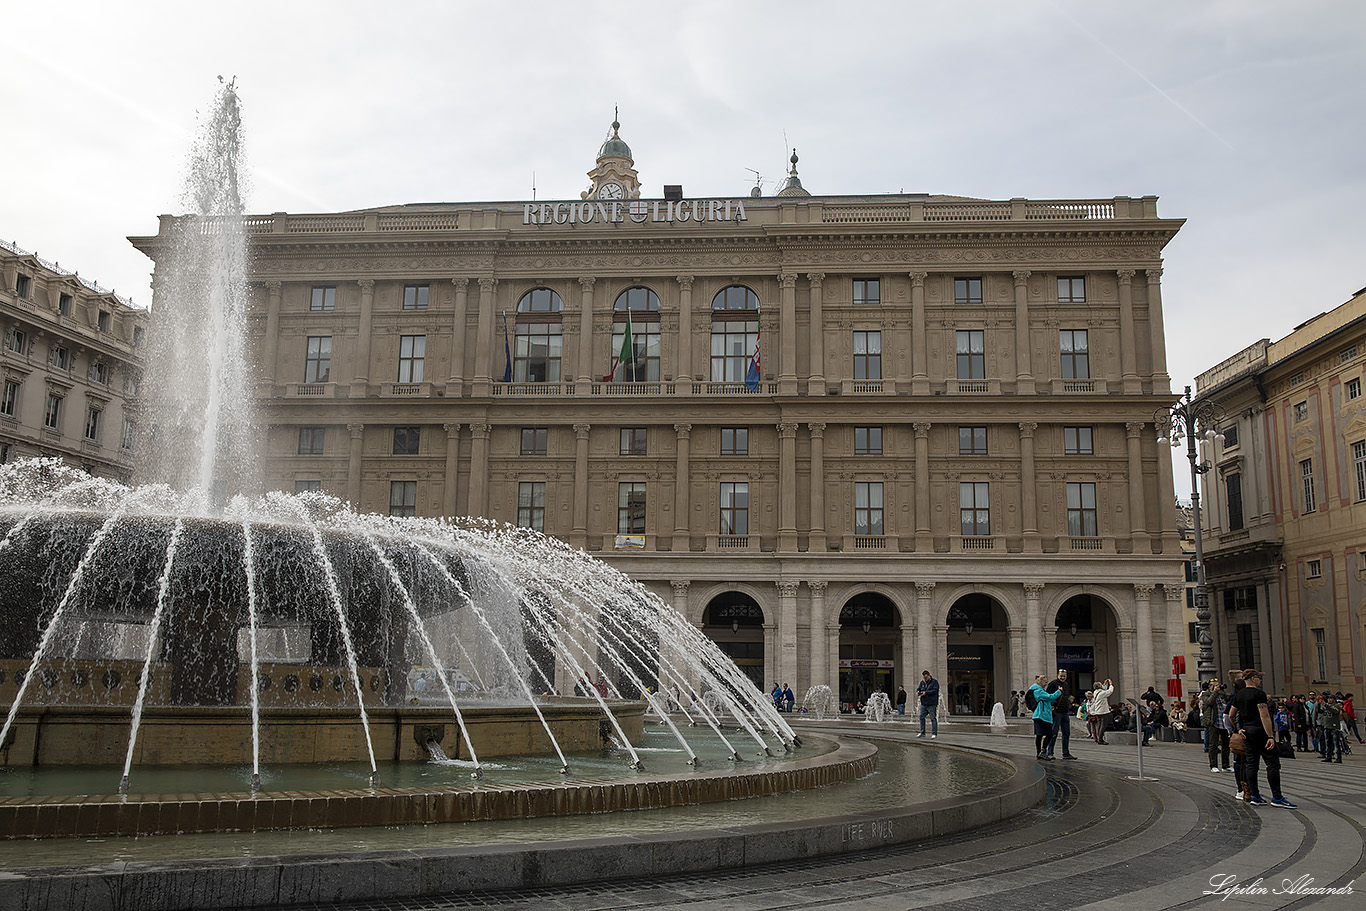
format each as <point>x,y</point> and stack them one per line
<point>793,187</point>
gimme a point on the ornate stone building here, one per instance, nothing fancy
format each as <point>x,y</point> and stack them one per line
<point>1285,554</point>
<point>850,437</point>
<point>71,364</point>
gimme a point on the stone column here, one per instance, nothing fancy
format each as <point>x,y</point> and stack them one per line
<point>924,628</point>
<point>816,542</point>
<point>832,666</point>
<point>1050,648</point>
<point>787,487</point>
<point>1143,598</point>
<point>585,376</point>
<point>787,631</point>
<point>270,344</point>
<point>920,378</point>
<point>1138,521</point>
<point>680,587</point>
<point>360,385</point>
<point>1029,489</point>
<point>682,539</point>
<point>483,346</point>
<point>1128,663</point>
<point>1176,628</point>
<point>1034,652</point>
<point>820,646</point>
<point>1020,677</point>
<point>479,470</point>
<point>1166,502</point>
<point>787,334</point>
<point>815,385</point>
<point>579,536</point>
<point>452,468</point>
<point>683,371</point>
<point>1024,370</point>
<point>924,540</point>
<point>1128,350</point>
<point>772,660</point>
<point>455,384</point>
<point>357,432</point>
<point>905,669</point>
<point>1161,382</point>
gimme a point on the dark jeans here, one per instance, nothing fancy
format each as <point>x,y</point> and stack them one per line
<point>933,712</point>
<point>1218,744</point>
<point>1062,722</point>
<point>1332,741</point>
<point>1302,739</point>
<point>1256,754</point>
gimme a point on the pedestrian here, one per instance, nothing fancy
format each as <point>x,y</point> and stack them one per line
<point>1157,719</point>
<point>1151,697</point>
<point>901,700</point>
<point>1259,738</point>
<point>928,691</point>
<point>1204,704</point>
<point>1282,724</point>
<point>1062,716</point>
<point>1220,729</point>
<point>789,699</point>
<point>1299,717</point>
<point>1331,716</point>
<point>1349,717</point>
<point>1043,715</point>
<point>1014,704</point>
<point>1098,712</point>
<point>777,696</point>
<point>1311,705</point>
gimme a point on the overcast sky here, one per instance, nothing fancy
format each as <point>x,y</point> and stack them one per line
<point>1246,117</point>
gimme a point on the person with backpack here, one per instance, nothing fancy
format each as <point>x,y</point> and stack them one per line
<point>1042,701</point>
<point>1098,711</point>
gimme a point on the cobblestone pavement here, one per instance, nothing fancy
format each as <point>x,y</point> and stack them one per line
<point>1101,840</point>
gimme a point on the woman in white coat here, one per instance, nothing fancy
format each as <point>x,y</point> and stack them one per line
<point>1098,711</point>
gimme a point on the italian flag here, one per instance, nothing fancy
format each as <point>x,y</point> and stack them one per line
<point>625,355</point>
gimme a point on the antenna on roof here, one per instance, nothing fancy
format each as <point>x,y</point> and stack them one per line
<point>533,186</point>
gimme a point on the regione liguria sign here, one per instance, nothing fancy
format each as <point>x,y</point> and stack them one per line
<point>640,211</point>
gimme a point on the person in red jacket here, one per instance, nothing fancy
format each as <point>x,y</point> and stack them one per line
<point>1349,715</point>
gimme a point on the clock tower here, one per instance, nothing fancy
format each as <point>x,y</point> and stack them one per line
<point>614,177</point>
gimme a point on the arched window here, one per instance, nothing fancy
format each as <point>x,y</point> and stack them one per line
<point>642,306</point>
<point>539,343</point>
<point>734,333</point>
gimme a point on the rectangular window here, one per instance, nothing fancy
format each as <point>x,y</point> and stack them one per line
<point>1314,569</point>
<point>1320,655</point>
<point>324,297</point>
<point>1233,489</point>
<point>972,441</point>
<point>1230,436</point>
<point>1077,441</point>
<point>1354,388</point>
<point>407,440</point>
<point>972,354</point>
<point>102,321</point>
<point>61,358</point>
<point>318,359</point>
<point>1072,289</point>
<point>1347,354</point>
<point>867,441</point>
<point>734,508</point>
<point>139,336</point>
<point>52,414</point>
<point>734,441</point>
<point>1358,462</point>
<point>403,498</point>
<point>412,352</point>
<point>414,297</point>
<point>311,440</point>
<point>64,302</point>
<point>1307,484</point>
<point>23,285</point>
<point>16,340</point>
<point>531,505</point>
<point>867,291</point>
<point>633,441</point>
<point>1081,510</point>
<point>1301,412</point>
<point>1076,356</point>
<point>642,366</point>
<point>534,440</point>
<point>309,487</point>
<point>967,290</point>
<point>130,431</point>
<point>1236,599</point>
<point>631,508</point>
<point>868,508</point>
<point>536,350</point>
<point>867,355</point>
<point>974,508</point>
<point>9,402</point>
<point>99,373</point>
<point>92,424</point>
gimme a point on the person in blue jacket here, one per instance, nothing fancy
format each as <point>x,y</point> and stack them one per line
<point>1043,714</point>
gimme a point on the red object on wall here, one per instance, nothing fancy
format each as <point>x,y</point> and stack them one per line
<point>1178,665</point>
<point>1174,687</point>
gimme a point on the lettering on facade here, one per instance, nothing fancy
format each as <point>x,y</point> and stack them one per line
<point>640,211</point>
<point>876,831</point>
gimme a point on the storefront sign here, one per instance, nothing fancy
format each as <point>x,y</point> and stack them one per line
<point>849,663</point>
<point>970,657</point>
<point>614,212</point>
<point>1079,657</point>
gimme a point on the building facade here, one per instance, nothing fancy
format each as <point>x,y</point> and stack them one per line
<point>850,437</point>
<point>1286,504</point>
<point>72,362</point>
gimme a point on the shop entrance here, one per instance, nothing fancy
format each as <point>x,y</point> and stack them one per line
<point>869,635</point>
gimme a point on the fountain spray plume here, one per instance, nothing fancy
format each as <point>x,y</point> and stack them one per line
<point>197,416</point>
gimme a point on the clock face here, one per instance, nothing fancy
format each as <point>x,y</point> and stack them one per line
<point>609,191</point>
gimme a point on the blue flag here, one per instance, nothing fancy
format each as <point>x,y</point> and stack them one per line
<point>507,350</point>
<point>752,375</point>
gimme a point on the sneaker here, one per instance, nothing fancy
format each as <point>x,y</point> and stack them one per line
<point>1226,769</point>
<point>934,736</point>
<point>1068,756</point>
<point>1282,802</point>
<point>1214,768</point>
<point>1257,801</point>
<point>1238,795</point>
<point>921,734</point>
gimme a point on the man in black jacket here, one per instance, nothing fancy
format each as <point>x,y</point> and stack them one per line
<point>1062,716</point>
<point>928,691</point>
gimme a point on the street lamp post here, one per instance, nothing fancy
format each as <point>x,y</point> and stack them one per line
<point>1185,421</point>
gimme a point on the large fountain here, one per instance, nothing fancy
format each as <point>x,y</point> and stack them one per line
<point>192,621</point>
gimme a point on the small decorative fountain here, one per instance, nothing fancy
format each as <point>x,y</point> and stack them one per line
<point>878,708</point>
<point>820,702</point>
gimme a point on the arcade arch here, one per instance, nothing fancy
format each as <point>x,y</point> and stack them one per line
<point>1087,643</point>
<point>869,647</point>
<point>735,622</point>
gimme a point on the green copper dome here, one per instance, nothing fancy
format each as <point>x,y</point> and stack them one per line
<point>614,147</point>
